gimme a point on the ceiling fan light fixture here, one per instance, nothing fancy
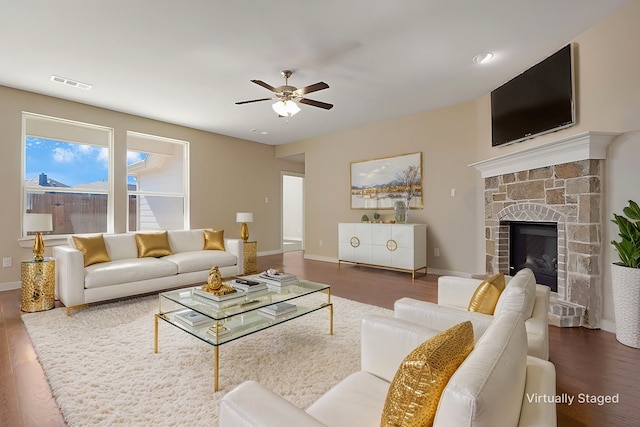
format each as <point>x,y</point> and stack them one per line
<point>286,108</point>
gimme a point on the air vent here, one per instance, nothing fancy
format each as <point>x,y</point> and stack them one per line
<point>70,82</point>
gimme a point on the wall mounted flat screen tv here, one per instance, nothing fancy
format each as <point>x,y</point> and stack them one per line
<point>538,101</point>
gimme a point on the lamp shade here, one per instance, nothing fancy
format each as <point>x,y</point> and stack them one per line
<point>244,217</point>
<point>286,108</point>
<point>38,222</point>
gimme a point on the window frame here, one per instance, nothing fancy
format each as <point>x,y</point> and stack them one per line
<point>185,193</point>
<point>76,131</point>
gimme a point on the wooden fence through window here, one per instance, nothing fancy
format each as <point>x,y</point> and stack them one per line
<point>76,213</point>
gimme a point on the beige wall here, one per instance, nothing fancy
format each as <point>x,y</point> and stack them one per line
<point>227,175</point>
<point>608,96</point>
<point>446,138</point>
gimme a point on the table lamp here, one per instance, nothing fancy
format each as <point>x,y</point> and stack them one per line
<point>38,223</point>
<point>244,218</point>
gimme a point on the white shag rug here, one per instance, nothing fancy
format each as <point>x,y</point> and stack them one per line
<point>103,371</point>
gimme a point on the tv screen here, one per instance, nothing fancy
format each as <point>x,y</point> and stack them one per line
<point>538,101</point>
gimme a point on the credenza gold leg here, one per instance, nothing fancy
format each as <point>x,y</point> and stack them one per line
<point>216,357</point>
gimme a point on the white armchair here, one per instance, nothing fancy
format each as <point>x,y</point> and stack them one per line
<point>489,388</point>
<point>521,295</point>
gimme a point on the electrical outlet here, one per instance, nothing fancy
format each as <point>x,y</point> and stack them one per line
<point>6,262</point>
<point>436,252</point>
<point>320,243</point>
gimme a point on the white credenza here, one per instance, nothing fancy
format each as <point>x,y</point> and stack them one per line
<point>396,246</point>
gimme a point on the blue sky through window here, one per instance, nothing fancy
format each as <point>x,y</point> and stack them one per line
<point>69,163</point>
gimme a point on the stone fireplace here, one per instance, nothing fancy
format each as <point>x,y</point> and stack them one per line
<point>560,183</point>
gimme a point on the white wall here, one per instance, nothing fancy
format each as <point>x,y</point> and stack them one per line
<point>622,183</point>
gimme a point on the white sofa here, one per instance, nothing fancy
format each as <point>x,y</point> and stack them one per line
<point>521,294</point>
<point>126,274</point>
<point>495,386</point>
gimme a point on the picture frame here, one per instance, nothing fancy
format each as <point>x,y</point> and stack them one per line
<point>378,183</point>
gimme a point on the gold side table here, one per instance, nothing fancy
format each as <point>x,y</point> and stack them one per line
<point>250,257</point>
<point>38,285</point>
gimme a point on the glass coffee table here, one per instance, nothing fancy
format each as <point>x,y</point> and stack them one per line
<point>220,322</point>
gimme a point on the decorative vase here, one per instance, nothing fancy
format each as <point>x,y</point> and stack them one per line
<point>625,282</point>
<point>400,209</point>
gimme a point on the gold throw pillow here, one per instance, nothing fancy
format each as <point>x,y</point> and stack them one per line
<point>214,240</point>
<point>486,296</point>
<point>93,249</point>
<point>153,244</point>
<point>414,393</point>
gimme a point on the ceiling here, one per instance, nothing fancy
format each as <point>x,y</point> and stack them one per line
<point>187,62</point>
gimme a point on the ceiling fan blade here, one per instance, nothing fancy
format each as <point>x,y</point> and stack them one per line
<point>265,85</point>
<point>254,100</point>
<point>311,88</point>
<point>315,103</point>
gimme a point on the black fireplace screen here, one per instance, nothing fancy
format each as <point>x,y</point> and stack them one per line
<point>535,246</point>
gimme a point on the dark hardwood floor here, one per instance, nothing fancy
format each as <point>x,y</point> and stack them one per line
<point>588,362</point>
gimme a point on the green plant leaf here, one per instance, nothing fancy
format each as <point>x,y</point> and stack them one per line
<point>632,211</point>
<point>628,247</point>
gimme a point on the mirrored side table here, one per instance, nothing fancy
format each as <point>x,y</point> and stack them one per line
<point>38,285</point>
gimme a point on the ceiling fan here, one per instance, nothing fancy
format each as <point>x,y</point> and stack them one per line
<point>287,96</point>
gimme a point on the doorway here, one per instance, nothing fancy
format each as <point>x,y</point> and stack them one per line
<point>292,212</point>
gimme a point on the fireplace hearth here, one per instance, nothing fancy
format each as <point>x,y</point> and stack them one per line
<point>559,182</point>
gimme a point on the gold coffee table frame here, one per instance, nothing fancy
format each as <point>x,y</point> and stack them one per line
<point>239,317</point>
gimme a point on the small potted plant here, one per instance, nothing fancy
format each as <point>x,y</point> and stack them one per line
<point>376,217</point>
<point>625,276</point>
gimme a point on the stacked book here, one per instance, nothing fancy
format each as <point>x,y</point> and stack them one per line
<point>218,298</point>
<point>193,318</point>
<point>278,278</point>
<point>278,309</point>
<point>248,285</point>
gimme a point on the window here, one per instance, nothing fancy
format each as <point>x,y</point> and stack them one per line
<point>157,181</point>
<point>67,174</point>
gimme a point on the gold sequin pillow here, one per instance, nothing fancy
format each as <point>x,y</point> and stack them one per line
<point>93,249</point>
<point>486,296</point>
<point>214,240</point>
<point>414,393</point>
<point>153,244</point>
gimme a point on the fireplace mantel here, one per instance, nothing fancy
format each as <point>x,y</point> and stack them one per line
<point>583,146</point>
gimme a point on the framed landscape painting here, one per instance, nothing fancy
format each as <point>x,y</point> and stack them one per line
<point>376,184</point>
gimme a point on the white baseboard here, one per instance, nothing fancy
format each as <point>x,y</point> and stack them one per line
<point>441,272</point>
<point>321,258</point>
<point>274,252</point>
<point>436,271</point>
<point>7,286</point>
<point>608,325</point>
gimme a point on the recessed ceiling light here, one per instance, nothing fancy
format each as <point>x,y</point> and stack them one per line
<point>483,58</point>
<point>69,82</point>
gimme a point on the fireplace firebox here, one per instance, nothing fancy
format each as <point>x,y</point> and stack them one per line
<point>535,246</point>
